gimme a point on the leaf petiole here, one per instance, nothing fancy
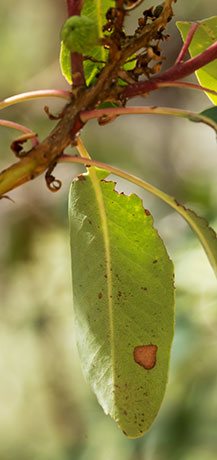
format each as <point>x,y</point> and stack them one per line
<point>34,95</point>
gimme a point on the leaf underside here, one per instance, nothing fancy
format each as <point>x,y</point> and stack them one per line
<point>205,36</point>
<point>123,298</point>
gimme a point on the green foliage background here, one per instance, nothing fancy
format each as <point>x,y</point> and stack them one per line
<point>47,411</point>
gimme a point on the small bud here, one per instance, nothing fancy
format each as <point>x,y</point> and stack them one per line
<point>79,34</point>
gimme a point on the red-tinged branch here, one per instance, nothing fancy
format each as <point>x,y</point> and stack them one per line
<point>187,85</point>
<point>74,7</point>
<point>23,129</point>
<point>106,115</point>
<point>188,41</point>
<point>77,71</point>
<point>178,71</point>
<point>34,95</point>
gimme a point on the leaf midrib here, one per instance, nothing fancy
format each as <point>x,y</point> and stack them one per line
<point>99,23</point>
<point>103,217</point>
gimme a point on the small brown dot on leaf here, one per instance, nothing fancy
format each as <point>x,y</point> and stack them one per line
<point>99,295</point>
<point>155,261</point>
<point>147,212</point>
<point>81,177</point>
<point>145,356</point>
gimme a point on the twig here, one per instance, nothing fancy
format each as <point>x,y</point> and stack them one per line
<point>187,85</point>
<point>23,129</point>
<point>74,7</point>
<point>187,43</point>
<point>77,69</point>
<point>33,95</point>
<point>113,112</point>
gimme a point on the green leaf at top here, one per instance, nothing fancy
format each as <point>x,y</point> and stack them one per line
<point>205,36</point>
<point>123,300</point>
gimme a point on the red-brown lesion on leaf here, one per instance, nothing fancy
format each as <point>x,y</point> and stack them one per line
<point>81,177</point>
<point>145,356</point>
<point>147,212</point>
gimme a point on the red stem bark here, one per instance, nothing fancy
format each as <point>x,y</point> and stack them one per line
<point>74,7</point>
<point>77,71</point>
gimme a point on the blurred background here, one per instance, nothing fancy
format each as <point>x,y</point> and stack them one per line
<point>47,411</point>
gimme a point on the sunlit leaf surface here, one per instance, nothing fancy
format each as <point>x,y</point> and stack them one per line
<point>205,36</point>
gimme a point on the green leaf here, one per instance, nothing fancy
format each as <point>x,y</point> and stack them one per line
<point>210,113</point>
<point>123,300</point>
<point>96,10</point>
<point>205,36</point>
<point>65,63</point>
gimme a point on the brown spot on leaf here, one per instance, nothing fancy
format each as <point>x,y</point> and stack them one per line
<point>81,177</point>
<point>143,288</point>
<point>99,295</point>
<point>145,356</point>
<point>155,261</point>
<point>147,212</point>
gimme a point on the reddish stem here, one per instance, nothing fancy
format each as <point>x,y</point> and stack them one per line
<point>178,71</point>
<point>187,42</point>
<point>77,70</point>
<point>185,84</point>
<point>74,9</point>
<point>23,129</point>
